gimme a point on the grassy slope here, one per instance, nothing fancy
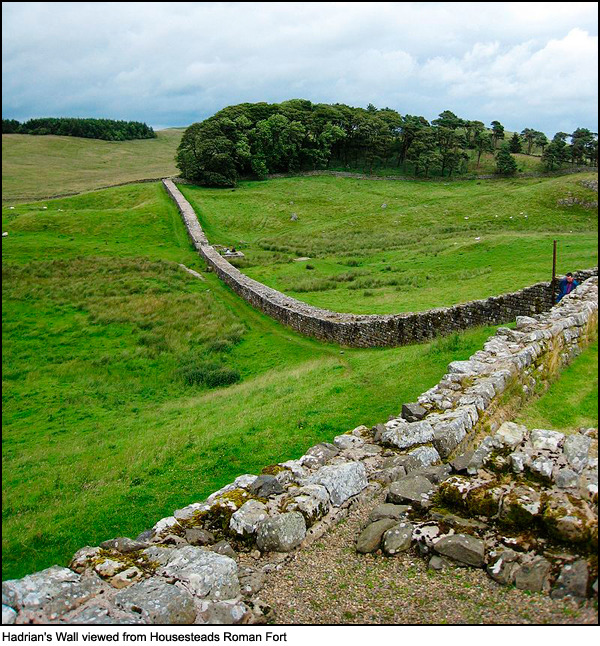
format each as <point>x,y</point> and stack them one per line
<point>433,244</point>
<point>36,167</point>
<point>101,435</point>
<point>571,402</point>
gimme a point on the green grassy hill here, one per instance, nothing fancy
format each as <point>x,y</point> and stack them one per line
<point>38,167</point>
<point>389,246</point>
<point>131,389</point>
<point>107,422</point>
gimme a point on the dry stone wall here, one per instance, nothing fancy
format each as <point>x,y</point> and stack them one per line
<point>364,330</point>
<point>190,567</point>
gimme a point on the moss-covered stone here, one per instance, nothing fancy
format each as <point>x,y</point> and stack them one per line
<point>521,507</point>
<point>452,493</point>
<point>273,470</point>
<point>484,500</point>
<point>570,519</point>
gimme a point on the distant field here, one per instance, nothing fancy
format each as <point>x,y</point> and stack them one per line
<point>387,246</point>
<point>37,167</point>
<point>107,424</point>
<point>571,402</point>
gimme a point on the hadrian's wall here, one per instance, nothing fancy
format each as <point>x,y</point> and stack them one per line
<point>356,330</point>
<point>189,569</point>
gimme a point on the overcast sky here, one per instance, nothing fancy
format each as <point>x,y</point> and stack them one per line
<point>527,64</point>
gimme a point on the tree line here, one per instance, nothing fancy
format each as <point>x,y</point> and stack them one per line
<point>107,129</point>
<point>257,139</point>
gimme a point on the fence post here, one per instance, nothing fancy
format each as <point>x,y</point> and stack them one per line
<point>553,287</point>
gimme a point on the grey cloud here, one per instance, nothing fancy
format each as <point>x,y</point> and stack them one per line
<point>174,63</point>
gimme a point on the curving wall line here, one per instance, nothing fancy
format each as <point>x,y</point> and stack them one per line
<point>365,330</point>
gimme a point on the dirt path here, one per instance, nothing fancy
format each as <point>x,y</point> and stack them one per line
<point>329,583</point>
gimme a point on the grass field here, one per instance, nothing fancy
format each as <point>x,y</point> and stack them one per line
<point>385,246</point>
<point>571,402</point>
<point>115,361</point>
<point>38,167</point>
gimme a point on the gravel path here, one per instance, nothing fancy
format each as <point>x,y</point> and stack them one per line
<point>329,583</point>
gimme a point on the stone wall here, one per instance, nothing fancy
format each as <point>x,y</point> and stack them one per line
<point>356,330</point>
<point>188,568</point>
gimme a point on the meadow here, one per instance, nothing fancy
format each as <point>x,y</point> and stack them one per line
<point>131,388</point>
<point>39,167</point>
<point>362,246</point>
<point>571,402</point>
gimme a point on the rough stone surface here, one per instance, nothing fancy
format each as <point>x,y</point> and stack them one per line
<point>281,533</point>
<point>346,441</point>
<point>413,490</point>
<point>534,575</point>
<point>341,480</point>
<point>203,572</point>
<point>413,412</point>
<point>389,510</point>
<point>123,545</point>
<point>158,602</point>
<point>573,581</point>
<point>196,536</point>
<point>566,478</point>
<point>312,501</point>
<point>403,435</point>
<point>503,566</point>
<point>227,613</point>
<point>265,486</point>
<point>462,548</point>
<point>52,592</point>
<point>424,456</point>
<point>9,616</point>
<point>370,538</point>
<point>246,519</point>
<point>397,539</point>
<point>520,506</point>
<point>126,578</point>
<point>319,454</point>
<point>542,439</point>
<point>460,463</point>
<point>511,434</point>
<point>576,449</point>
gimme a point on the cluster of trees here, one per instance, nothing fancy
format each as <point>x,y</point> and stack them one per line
<point>256,139</point>
<point>582,150</point>
<point>107,129</point>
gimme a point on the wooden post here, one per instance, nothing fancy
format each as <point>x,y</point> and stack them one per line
<point>554,274</point>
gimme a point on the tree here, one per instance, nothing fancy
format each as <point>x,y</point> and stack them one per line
<point>205,155</point>
<point>409,129</point>
<point>505,162</point>
<point>471,129</point>
<point>497,132</point>
<point>540,140</point>
<point>529,135</point>
<point>556,153</point>
<point>582,144</point>
<point>448,119</point>
<point>423,153</point>
<point>10,126</point>
<point>483,143</point>
<point>515,144</point>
